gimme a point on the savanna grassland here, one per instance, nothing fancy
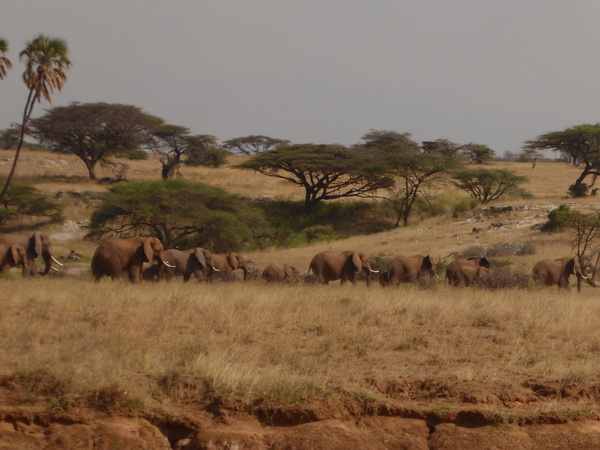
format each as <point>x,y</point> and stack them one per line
<point>223,364</point>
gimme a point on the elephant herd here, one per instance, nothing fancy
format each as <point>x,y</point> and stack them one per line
<point>144,258</point>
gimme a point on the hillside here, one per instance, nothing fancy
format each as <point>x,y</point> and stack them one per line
<point>247,365</point>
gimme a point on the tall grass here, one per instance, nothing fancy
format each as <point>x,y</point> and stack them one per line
<point>288,343</point>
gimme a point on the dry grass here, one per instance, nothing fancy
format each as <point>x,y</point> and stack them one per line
<point>192,342</point>
<point>287,343</point>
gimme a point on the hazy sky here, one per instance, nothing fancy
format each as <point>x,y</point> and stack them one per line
<point>494,72</point>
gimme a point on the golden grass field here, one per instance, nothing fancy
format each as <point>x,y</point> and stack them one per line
<point>297,342</point>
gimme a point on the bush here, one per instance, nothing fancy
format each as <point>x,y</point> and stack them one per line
<point>136,155</point>
<point>23,200</point>
<point>504,277</point>
<point>211,157</point>
<point>558,219</point>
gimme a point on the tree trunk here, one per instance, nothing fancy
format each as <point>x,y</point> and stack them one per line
<point>91,167</point>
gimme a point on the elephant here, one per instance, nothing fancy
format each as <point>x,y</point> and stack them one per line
<point>114,256</point>
<point>11,256</point>
<point>456,275</point>
<point>197,261</point>
<point>557,272</point>
<point>280,272</point>
<point>405,269</point>
<point>225,263</point>
<point>469,273</point>
<point>329,266</point>
<point>35,244</point>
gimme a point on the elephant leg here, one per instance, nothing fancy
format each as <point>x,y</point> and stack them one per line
<point>186,277</point>
<point>199,276</point>
<point>135,274</point>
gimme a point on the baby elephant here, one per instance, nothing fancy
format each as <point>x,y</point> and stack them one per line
<point>12,255</point>
<point>280,272</point>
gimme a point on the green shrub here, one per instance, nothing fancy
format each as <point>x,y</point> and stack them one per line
<point>558,219</point>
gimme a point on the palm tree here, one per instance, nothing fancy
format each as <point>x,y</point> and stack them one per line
<point>4,61</point>
<point>46,60</point>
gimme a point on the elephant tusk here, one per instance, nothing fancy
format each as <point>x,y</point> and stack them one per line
<point>373,271</point>
<point>438,277</point>
<point>54,259</point>
<point>167,264</point>
<point>215,269</point>
<point>54,268</point>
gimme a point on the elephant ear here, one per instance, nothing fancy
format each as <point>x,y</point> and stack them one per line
<point>199,254</point>
<point>149,249</point>
<point>484,262</point>
<point>39,243</point>
<point>289,271</point>
<point>569,267</point>
<point>14,252</point>
<point>357,260</point>
<point>232,260</point>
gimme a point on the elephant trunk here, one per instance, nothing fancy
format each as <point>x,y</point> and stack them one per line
<point>47,256</point>
<point>245,273</point>
<point>579,276</point>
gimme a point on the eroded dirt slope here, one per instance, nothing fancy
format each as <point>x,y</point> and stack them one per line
<point>411,415</point>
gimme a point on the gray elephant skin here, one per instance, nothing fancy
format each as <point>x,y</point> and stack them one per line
<point>11,256</point>
<point>196,261</point>
<point>557,272</point>
<point>226,263</point>
<point>329,266</point>
<point>115,256</point>
<point>408,269</point>
<point>463,271</point>
<point>35,244</point>
<point>276,272</point>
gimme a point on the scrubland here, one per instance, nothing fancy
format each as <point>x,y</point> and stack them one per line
<point>146,346</point>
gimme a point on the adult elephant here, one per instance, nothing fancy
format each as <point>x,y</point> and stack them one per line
<point>406,269</point>
<point>275,272</point>
<point>329,266</point>
<point>115,256</point>
<point>225,263</point>
<point>11,256</point>
<point>35,244</point>
<point>197,261</point>
<point>464,270</point>
<point>557,272</point>
<point>467,274</point>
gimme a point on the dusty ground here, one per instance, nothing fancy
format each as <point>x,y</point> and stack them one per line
<point>412,415</point>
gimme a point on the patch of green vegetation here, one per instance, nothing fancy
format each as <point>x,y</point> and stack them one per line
<point>331,221</point>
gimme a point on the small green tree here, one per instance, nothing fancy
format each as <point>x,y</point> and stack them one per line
<point>486,185</point>
<point>178,211</point>
<point>26,201</point>
<point>478,153</point>
<point>207,156</point>
<point>253,145</point>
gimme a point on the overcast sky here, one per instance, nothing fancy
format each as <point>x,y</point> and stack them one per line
<point>494,72</point>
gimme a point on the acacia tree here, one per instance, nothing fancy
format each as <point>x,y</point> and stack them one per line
<point>173,143</point>
<point>253,145</point>
<point>326,172</point>
<point>22,200</point>
<point>413,168</point>
<point>4,61</point>
<point>486,185</point>
<point>177,211</point>
<point>415,173</point>
<point>46,60</point>
<point>578,144</point>
<point>93,131</point>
